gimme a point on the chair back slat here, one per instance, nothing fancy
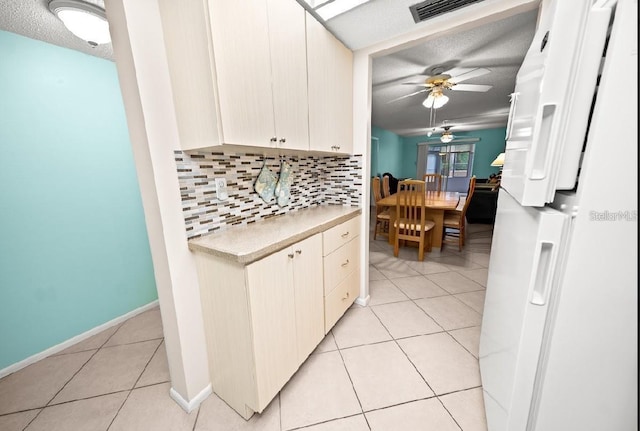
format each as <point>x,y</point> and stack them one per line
<point>433,182</point>
<point>410,206</point>
<point>386,191</point>
<point>411,224</point>
<point>376,187</point>
<point>472,188</point>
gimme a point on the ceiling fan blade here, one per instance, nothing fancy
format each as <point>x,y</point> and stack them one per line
<point>396,81</point>
<point>472,87</point>
<point>468,75</point>
<point>457,71</point>
<point>408,95</point>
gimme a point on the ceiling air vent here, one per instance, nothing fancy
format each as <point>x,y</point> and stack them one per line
<point>430,8</point>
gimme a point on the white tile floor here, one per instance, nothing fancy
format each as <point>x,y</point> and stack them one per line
<point>408,361</point>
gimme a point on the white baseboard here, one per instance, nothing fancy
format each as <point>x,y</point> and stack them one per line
<point>188,406</point>
<point>363,301</point>
<point>71,341</point>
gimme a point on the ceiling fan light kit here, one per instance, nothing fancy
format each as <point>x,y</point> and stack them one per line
<point>446,137</point>
<point>435,99</point>
<point>85,20</point>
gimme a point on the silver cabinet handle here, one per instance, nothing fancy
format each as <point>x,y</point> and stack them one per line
<point>346,297</point>
<point>290,255</point>
<point>299,251</point>
<point>344,235</point>
<point>283,140</point>
<point>346,263</point>
<point>274,139</point>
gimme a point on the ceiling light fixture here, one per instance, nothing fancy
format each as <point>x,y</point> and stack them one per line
<point>435,99</point>
<point>85,20</point>
<point>446,137</point>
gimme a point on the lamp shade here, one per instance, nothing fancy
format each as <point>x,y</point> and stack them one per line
<point>446,137</point>
<point>85,20</point>
<point>435,101</point>
<point>499,161</point>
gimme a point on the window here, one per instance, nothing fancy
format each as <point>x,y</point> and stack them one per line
<point>460,164</point>
<point>452,161</point>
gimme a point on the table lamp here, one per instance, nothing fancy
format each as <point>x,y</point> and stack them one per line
<point>499,162</point>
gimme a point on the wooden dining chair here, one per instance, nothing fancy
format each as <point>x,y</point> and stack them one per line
<point>411,223</point>
<point>433,181</point>
<point>386,190</point>
<point>382,213</point>
<point>455,221</point>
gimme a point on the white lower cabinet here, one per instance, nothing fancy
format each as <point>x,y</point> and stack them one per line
<point>341,266</point>
<point>262,320</point>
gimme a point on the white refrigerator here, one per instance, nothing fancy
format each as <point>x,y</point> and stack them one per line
<point>559,337</point>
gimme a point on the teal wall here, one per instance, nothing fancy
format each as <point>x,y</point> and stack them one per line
<point>74,251</point>
<point>389,157</point>
<point>491,143</point>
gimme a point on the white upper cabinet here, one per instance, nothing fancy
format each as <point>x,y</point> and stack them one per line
<point>187,42</point>
<point>289,67</point>
<point>260,65</point>
<point>330,76</point>
<point>261,73</point>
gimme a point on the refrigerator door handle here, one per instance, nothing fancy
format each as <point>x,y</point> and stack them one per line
<point>543,144</point>
<point>542,275</point>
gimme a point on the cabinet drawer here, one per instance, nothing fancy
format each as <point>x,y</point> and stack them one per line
<point>340,263</point>
<point>341,298</point>
<point>339,235</point>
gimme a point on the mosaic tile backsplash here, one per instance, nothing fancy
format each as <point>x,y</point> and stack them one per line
<point>317,180</point>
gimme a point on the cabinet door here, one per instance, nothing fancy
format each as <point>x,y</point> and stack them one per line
<point>289,68</point>
<point>187,40</point>
<point>240,34</point>
<point>273,323</point>
<point>308,289</point>
<point>330,74</point>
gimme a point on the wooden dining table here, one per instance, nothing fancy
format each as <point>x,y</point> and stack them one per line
<point>436,203</point>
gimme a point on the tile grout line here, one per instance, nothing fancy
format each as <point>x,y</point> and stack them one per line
<point>195,423</point>
<point>351,381</point>
<point>148,362</point>
<point>444,331</point>
<point>134,386</point>
<point>138,379</point>
<point>71,378</point>
<point>60,390</point>
<point>447,331</point>
<point>435,395</point>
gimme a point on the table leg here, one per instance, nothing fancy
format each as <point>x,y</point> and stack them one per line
<point>437,216</point>
<point>392,221</point>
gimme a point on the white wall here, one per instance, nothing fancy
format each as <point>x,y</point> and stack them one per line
<point>458,20</point>
<point>138,46</point>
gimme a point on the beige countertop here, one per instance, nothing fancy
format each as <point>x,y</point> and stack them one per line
<point>248,243</point>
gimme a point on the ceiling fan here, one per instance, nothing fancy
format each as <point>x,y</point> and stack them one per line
<point>447,136</point>
<point>440,81</point>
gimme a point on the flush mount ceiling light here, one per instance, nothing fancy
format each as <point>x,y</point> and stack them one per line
<point>436,99</point>
<point>85,20</point>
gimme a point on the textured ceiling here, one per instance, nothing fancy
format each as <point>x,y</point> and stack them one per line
<point>499,47</point>
<point>32,18</point>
